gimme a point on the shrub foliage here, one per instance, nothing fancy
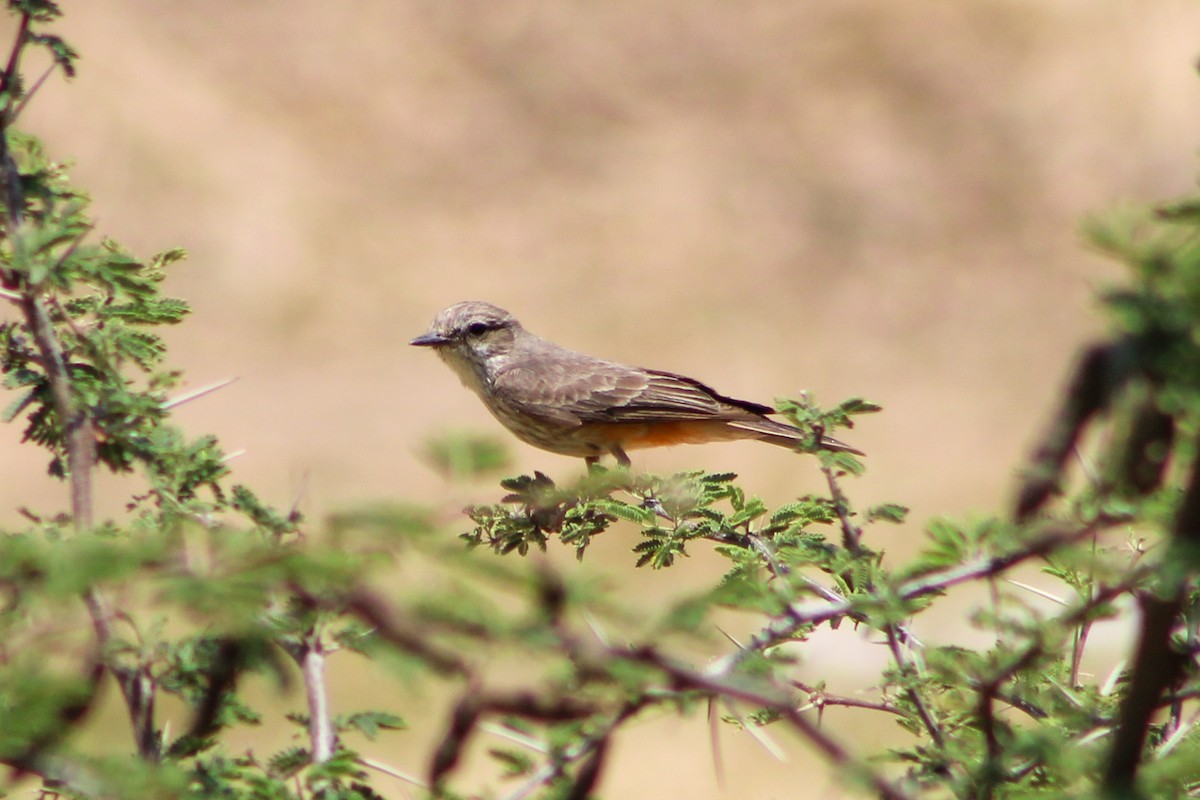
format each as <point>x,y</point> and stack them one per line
<point>201,584</point>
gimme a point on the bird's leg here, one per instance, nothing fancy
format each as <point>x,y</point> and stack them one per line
<point>619,454</point>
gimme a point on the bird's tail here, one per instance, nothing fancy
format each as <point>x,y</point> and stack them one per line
<point>768,430</point>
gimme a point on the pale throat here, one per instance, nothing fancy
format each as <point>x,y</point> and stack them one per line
<point>472,375</point>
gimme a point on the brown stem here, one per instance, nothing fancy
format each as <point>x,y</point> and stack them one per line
<point>780,704</point>
<point>78,432</point>
<point>821,699</point>
<point>1157,666</point>
<point>851,535</point>
<point>1099,372</point>
<point>14,57</point>
<point>815,612</point>
<point>987,722</point>
<point>79,439</point>
<point>374,612</point>
<point>927,721</point>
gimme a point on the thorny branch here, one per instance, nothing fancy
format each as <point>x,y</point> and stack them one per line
<point>477,702</point>
<point>851,534</point>
<point>686,678</point>
<point>906,667</point>
<point>78,432</point>
<point>320,726</point>
<point>1157,665</point>
<point>592,747</point>
<point>820,699</point>
<point>814,612</point>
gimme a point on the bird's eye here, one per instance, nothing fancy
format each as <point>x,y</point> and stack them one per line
<point>477,329</point>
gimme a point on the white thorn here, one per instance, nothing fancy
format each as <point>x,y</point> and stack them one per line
<point>192,395</point>
<point>1039,592</point>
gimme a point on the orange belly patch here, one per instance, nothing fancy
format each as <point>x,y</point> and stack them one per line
<point>634,436</point>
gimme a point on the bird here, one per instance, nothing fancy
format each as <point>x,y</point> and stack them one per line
<point>575,404</point>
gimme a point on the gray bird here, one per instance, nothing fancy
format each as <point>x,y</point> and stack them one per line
<point>579,405</point>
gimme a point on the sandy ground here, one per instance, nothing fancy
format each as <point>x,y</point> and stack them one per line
<point>852,198</point>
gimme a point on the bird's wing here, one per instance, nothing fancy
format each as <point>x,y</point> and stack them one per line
<point>589,390</point>
<point>665,394</point>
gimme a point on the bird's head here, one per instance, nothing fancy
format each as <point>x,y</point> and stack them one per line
<point>471,334</point>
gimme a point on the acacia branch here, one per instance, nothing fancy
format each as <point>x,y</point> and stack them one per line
<point>820,699</point>
<point>930,724</point>
<point>851,534</point>
<point>769,698</point>
<point>1157,665</point>
<point>12,69</point>
<point>477,702</point>
<point>79,441</point>
<point>374,612</point>
<point>800,615</point>
<point>320,726</point>
<point>593,748</point>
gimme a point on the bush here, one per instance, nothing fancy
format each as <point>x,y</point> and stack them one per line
<point>201,584</point>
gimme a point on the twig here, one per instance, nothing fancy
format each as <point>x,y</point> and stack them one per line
<point>1098,375</point>
<point>819,699</point>
<point>914,697</point>
<point>815,612</point>
<point>1079,641</point>
<point>851,534</point>
<point>1157,665</point>
<point>373,611</point>
<point>987,722</point>
<point>320,726</point>
<point>67,253</point>
<point>591,747</point>
<point>46,73</point>
<point>77,427</point>
<point>14,60</point>
<point>780,704</point>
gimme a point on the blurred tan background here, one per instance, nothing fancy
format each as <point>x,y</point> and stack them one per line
<point>851,198</point>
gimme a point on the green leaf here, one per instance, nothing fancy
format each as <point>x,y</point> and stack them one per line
<point>857,405</point>
<point>369,723</point>
<point>63,54</point>
<point>887,512</point>
<point>514,763</point>
<point>621,510</point>
<point>287,763</point>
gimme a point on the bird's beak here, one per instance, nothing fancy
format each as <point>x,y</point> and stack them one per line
<point>429,340</point>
